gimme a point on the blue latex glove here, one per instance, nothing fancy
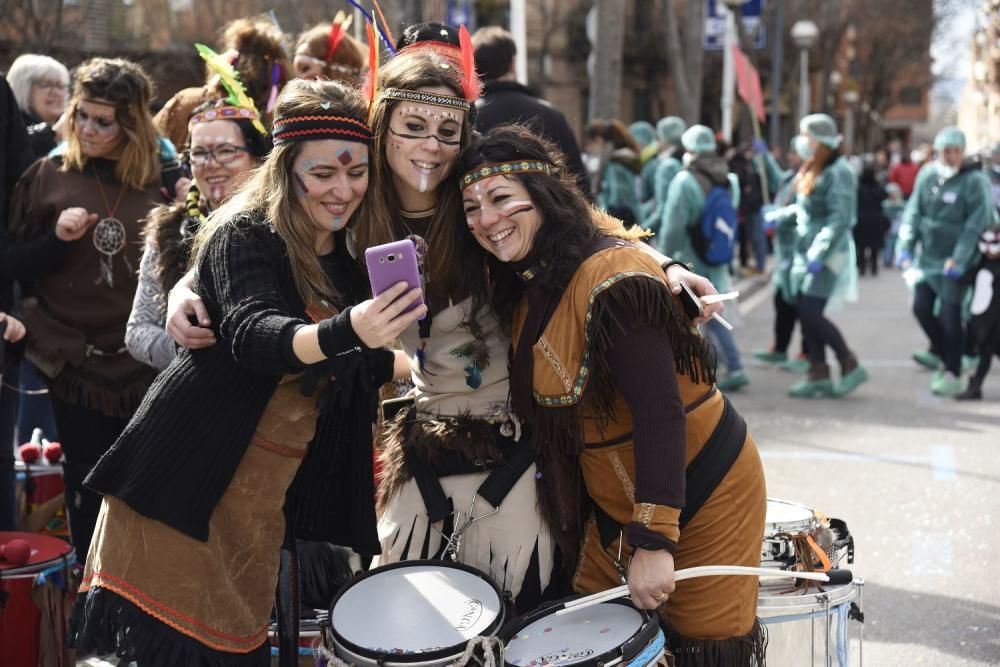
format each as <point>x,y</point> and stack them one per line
<point>759,146</point>
<point>814,266</point>
<point>953,272</point>
<point>904,257</point>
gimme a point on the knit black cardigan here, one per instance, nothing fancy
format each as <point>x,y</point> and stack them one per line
<point>178,454</point>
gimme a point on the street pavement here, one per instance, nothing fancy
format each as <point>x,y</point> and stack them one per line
<point>916,478</point>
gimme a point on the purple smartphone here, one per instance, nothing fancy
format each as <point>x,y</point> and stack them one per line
<point>391,263</point>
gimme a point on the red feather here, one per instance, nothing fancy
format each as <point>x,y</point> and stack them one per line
<point>333,41</point>
<point>470,80</point>
<point>369,87</point>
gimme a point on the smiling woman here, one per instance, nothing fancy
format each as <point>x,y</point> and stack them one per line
<point>290,390</point>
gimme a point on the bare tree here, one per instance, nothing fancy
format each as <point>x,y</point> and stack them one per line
<point>606,85</point>
<point>686,55</point>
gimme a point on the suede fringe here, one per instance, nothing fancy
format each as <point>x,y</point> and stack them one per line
<point>475,439</point>
<point>746,651</point>
<point>119,399</point>
<point>106,623</point>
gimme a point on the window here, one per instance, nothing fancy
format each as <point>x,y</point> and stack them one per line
<point>910,96</point>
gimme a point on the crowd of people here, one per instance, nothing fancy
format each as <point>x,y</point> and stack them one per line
<point>190,289</point>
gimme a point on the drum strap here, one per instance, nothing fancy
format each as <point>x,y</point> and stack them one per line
<point>517,458</point>
<point>705,472</point>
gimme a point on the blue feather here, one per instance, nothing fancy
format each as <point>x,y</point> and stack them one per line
<point>473,376</point>
<point>381,33</point>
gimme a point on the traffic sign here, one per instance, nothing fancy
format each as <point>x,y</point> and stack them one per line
<point>715,24</point>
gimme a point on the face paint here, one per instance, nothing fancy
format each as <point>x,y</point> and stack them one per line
<point>424,142</point>
<point>218,181</point>
<point>501,217</point>
<point>328,188</point>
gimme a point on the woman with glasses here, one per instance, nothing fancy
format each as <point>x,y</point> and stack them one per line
<point>41,88</point>
<point>225,147</point>
<point>75,232</point>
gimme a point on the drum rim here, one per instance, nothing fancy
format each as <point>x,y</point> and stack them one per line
<point>783,527</point>
<point>839,596</point>
<point>625,653</point>
<point>426,656</point>
<point>34,568</point>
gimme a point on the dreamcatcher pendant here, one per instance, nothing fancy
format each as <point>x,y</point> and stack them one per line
<point>109,239</point>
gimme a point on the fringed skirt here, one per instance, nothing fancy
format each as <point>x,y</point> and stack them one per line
<point>160,597</point>
<point>513,546</point>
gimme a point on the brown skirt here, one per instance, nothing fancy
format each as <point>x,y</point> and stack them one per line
<point>220,592</point>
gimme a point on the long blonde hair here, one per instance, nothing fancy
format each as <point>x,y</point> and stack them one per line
<point>270,189</point>
<point>380,215</point>
<point>127,86</point>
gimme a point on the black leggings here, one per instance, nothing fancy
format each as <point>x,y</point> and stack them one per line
<point>944,329</point>
<point>86,435</point>
<point>785,315</point>
<point>819,331</point>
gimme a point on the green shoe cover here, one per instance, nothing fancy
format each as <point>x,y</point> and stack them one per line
<point>927,359</point>
<point>851,381</point>
<point>733,381</point>
<point>770,357</point>
<point>795,366</point>
<point>812,389</point>
<point>947,385</point>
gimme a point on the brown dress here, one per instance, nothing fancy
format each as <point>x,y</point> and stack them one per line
<point>218,592</point>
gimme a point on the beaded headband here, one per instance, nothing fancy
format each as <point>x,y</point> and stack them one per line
<point>504,168</point>
<point>309,127</point>
<point>422,97</point>
<point>224,113</point>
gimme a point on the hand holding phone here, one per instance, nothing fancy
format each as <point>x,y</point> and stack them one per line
<point>391,263</point>
<point>693,306</point>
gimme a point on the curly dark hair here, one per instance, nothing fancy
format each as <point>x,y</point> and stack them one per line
<point>567,226</point>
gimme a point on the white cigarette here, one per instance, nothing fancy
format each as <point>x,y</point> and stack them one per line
<point>722,321</point>
<point>709,299</point>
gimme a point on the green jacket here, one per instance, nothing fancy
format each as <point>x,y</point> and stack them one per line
<point>682,211</point>
<point>825,219</point>
<point>667,168</point>
<point>943,219</point>
<point>618,189</point>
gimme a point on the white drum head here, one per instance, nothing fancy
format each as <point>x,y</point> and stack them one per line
<point>574,638</point>
<point>415,609</point>
<point>787,517</point>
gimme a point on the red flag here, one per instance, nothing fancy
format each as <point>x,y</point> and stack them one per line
<point>748,82</point>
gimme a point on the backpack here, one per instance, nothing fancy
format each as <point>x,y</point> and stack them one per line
<point>714,236</point>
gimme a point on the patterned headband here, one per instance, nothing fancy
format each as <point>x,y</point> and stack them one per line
<point>308,127</point>
<point>426,98</point>
<point>504,168</point>
<point>224,113</point>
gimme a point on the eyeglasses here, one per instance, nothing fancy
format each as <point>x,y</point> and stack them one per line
<point>98,124</point>
<point>222,154</point>
<point>50,86</point>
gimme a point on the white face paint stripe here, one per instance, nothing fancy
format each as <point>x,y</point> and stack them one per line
<point>509,207</point>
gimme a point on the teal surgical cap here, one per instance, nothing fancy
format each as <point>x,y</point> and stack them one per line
<point>822,128</point>
<point>949,136</point>
<point>643,132</point>
<point>698,139</point>
<point>670,129</point>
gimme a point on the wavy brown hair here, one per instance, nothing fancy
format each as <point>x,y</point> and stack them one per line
<point>349,60</point>
<point>128,88</point>
<point>270,191</point>
<point>260,46</point>
<point>380,215</point>
<point>810,171</point>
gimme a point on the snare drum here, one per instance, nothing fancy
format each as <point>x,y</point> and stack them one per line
<point>416,613</point>
<point>21,620</point>
<point>798,624</point>
<point>605,634</point>
<point>784,517</point>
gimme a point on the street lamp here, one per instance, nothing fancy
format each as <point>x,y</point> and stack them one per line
<point>728,70</point>
<point>804,34</point>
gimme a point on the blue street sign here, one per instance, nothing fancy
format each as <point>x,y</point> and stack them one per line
<point>458,12</point>
<point>715,24</point>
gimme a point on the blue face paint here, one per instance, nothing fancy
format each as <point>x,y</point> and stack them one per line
<point>300,185</point>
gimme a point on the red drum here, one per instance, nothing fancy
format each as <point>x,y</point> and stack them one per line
<point>29,631</point>
<point>39,482</point>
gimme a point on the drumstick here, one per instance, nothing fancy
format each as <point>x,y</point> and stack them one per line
<point>709,299</point>
<point>691,573</point>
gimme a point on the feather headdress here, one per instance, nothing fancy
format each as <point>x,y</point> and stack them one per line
<point>230,80</point>
<point>341,22</point>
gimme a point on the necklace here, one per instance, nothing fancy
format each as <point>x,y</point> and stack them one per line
<point>109,235</point>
